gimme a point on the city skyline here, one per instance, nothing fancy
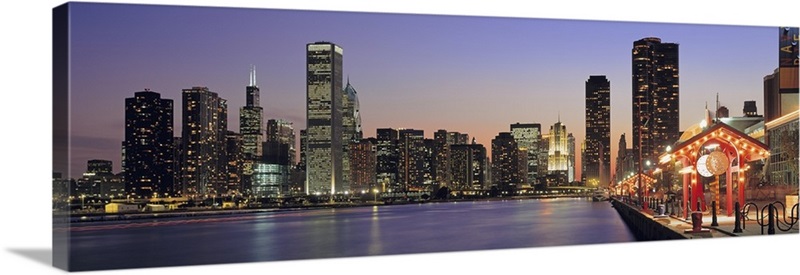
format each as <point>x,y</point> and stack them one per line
<point>401,81</point>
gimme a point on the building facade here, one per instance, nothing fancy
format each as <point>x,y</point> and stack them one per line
<point>251,129</point>
<point>204,126</point>
<point>363,161</point>
<point>655,96</point>
<point>527,136</point>
<point>468,166</point>
<point>509,163</point>
<point>148,145</point>
<point>234,160</point>
<point>324,118</point>
<point>388,157</point>
<point>597,159</point>
<point>282,131</point>
<point>782,138</point>
<point>412,156</point>
<point>351,128</point>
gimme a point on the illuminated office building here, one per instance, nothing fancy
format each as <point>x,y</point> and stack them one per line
<point>324,118</point>
<point>527,136</point>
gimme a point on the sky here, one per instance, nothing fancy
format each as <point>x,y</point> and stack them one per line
<point>470,74</point>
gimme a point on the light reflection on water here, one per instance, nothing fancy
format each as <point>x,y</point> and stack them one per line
<point>324,233</point>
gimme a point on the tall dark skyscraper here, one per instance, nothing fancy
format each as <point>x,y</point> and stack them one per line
<point>282,131</point>
<point>251,119</point>
<point>509,163</point>
<point>467,166</point>
<point>233,163</point>
<point>324,118</point>
<point>388,158</point>
<point>442,140</point>
<point>148,159</point>
<point>250,127</point>
<point>204,129</point>
<point>655,115</point>
<point>598,130</point>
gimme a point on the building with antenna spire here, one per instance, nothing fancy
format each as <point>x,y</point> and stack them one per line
<point>250,128</point>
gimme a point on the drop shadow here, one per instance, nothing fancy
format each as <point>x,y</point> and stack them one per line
<point>41,255</point>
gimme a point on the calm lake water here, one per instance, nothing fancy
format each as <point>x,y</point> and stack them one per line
<point>345,232</point>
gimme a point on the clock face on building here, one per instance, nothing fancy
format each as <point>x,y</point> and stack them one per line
<point>713,164</point>
<point>717,163</point>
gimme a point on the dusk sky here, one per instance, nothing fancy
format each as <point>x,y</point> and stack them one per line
<point>473,75</point>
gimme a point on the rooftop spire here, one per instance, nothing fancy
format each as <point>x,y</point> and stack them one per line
<point>252,75</point>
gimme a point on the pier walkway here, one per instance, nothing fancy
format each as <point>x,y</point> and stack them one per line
<point>725,227</point>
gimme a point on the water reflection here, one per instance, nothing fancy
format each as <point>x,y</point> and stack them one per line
<point>396,229</point>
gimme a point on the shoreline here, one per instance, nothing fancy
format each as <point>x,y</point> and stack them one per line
<point>93,218</point>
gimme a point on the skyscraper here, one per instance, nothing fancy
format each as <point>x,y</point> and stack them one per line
<point>625,160</point>
<point>324,118</point>
<point>781,89</point>
<point>655,115</point>
<point>351,128</point>
<point>250,128</point>
<point>467,166</point>
<point>571,158</point>
<point>282,131</point>
<point>411,161</point>
<point>598,130</point>
<point>527,136</point>
<point>509,163</point>
<point>204,127</point>
<point>363,160</point>
<point>233,160</point>
<point>557,150</point>
<point>441,164</point>
<point>388,158</point>
<point>251,119</point>
<point>148,159</point>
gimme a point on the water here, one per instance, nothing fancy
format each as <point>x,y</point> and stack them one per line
<point>345,232</point>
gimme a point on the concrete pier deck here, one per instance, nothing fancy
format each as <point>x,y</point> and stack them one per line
<point>724,229</point>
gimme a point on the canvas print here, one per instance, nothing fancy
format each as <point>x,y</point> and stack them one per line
<point>195,135</point>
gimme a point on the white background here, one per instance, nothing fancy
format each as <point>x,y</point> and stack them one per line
<point>25,156</point>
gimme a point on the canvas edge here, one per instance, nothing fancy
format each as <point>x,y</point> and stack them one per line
<point>60,32</point>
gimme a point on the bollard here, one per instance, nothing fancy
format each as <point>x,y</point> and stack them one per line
<point>672,201</point>
<point>771,227</point>
<point>737,227</point>
<point>697,222</point>
<point>714,213</point>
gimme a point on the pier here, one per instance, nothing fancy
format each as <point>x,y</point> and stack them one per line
<point>753,219</point>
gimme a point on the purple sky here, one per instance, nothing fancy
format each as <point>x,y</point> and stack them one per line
<point>468,74</point>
